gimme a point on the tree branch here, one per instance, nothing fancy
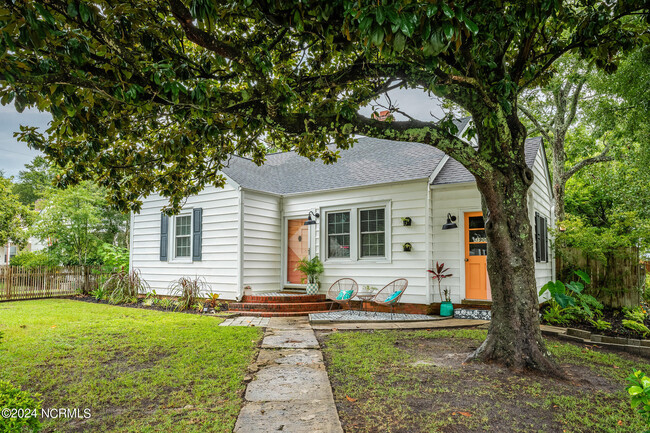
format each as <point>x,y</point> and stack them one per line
<point>536,122</point>
<point>602,157</point>
<point>573,107</point>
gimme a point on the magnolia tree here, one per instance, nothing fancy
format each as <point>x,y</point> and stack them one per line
<point>154,96</point>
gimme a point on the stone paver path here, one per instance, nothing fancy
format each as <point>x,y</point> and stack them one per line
<point>262,322</point>
<point>291,391</point>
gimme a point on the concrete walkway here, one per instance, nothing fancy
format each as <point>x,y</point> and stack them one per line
<point>291,391</point>
<point>435,324</point>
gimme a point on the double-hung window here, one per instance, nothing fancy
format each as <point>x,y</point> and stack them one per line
<point>183,236</point>
<point>338,234</point>
<point>372,232</point>
<point>358,233</point>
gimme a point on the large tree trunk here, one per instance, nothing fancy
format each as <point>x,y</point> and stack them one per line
<point>514,338</point>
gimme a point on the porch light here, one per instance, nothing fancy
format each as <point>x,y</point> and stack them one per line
<point>450,224</point>
<point>310,221</point>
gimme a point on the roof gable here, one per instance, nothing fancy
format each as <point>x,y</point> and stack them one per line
<point>454,172</point>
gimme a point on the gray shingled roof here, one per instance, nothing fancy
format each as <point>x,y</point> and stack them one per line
<point>454,172</point>
<point>370,161</point>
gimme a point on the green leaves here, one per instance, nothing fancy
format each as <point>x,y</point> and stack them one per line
<point>399,42</point>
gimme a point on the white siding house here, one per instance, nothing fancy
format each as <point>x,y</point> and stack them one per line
<point>251,232</point>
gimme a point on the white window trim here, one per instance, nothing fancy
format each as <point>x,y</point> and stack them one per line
<point>172,247</point>
<point>326,237</point>
<point>385,231</point>
<point>355,233</point>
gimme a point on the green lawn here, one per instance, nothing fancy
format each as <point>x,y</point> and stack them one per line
<point>415,381</point>
<point>137,370</point>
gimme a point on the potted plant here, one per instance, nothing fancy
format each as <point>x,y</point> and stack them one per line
<point>407,246</point>
<point>406,221</point>
<point>439,274</point>
<point>312,269</point>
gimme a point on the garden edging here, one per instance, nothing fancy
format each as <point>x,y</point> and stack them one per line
<point>629,345</point>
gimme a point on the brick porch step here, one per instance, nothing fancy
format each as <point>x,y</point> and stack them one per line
<point>280,307</point>
<point>277,313</point>
<point>282,298</point>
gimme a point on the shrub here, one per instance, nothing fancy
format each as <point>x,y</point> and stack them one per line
<point>639,391</point>
<point>123,287</point>
<point>114,257</point>
<point>14,398</point>
<point>167,303</point>
<point>637,314</point>
<point>188,291</point>
<point>568,301</point>
<point>99,293</point>
<point>601,325</point>
<point>637,327</point>
<point>212,299</point>
<point>33,259</point>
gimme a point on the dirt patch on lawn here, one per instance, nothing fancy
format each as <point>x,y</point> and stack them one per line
<point>429,387</point>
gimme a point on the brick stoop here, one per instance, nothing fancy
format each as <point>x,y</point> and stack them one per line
<point>281,305</point>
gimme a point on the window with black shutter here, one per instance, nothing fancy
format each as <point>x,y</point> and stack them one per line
<point>541,239</point>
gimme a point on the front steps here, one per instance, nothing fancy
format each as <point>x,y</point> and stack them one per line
<point>281,304</point>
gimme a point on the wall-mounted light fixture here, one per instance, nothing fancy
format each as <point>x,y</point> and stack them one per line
<point>310,221</point>
<point>450,224</point>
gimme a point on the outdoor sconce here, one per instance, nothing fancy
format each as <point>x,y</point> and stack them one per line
<point>450,224</point>
<point>310,221</point>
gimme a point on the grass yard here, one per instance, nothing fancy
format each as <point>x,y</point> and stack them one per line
<point>136,370</point>
<point>414,381</point>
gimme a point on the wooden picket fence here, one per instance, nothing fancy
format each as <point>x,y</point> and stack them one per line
<point>617,283</point>
<point>18,283</point>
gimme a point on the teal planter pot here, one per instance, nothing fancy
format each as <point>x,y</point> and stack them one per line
<point>312,288</point>
<point>446,309</point>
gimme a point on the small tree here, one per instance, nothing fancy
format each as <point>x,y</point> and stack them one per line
<point>71,221</point>
<point>438,274</point>
<point>15,217</point>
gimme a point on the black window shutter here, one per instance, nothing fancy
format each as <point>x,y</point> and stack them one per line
<point>197,233</point>
<point>538,235</point>
<point>544,241</point>
<point>164,236</point>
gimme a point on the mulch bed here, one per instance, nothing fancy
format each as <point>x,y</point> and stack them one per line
<point>140,304</point>
<point>474,397</point>
<point>613,316</point>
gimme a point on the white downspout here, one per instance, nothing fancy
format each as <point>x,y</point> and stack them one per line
<point>240,246</point>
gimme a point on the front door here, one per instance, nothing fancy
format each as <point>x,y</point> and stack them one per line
<point>297,249</point>
<point>477,283</point>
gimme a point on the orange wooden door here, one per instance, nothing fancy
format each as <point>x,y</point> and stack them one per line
<point>297,248</point>
<point>477,284</point>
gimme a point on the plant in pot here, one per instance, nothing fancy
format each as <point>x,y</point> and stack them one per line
<point>312,269</point>
<point>439,274</point>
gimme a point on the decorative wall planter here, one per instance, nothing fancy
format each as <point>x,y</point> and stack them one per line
<point>312,288</point>
<point>406,221</point>
<point>446,309</point>
<point>407,246</point>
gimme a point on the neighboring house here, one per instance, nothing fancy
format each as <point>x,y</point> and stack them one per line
<point>252,232</point>
<point>9,251</point>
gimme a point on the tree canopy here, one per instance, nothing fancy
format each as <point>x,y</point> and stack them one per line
<point>154,96</point>
<point>76,222</point>
<point>15,217</point>
<point>34,182</point>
